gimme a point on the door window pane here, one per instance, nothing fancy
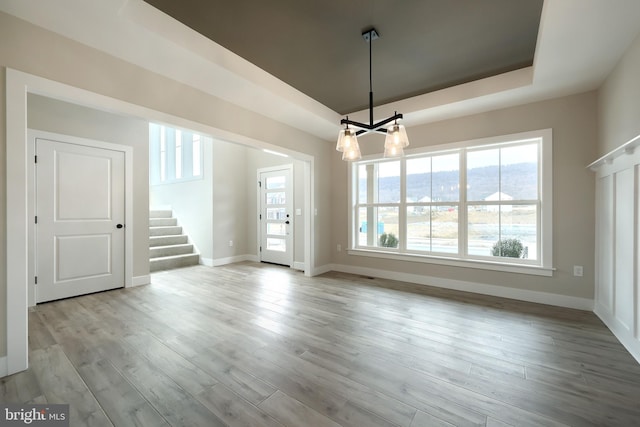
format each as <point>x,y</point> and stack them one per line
<point>276,229</point>
<point>276,213</point>
<point>275,182</point>
<point>275,244</point>
<point>276,198</point>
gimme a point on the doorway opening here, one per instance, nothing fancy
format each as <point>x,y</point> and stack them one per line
<point>275,216</point>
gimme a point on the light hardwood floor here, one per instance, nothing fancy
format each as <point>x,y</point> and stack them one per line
<point>260,345</point>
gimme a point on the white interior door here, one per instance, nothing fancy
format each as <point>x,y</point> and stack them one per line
<point>276,216</point>
<point>80,208</point>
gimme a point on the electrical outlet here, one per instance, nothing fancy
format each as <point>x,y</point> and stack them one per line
<point>578,271</point>
<point>339,247</point>
<point>230,243</point>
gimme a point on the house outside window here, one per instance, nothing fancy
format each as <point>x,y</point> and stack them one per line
<point>484,203</point>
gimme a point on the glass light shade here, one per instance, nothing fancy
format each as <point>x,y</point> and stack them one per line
<point>345,139</point>
<point>340,144</point>
<point>396,136</point>
<point>351,149</point>
<point>393,150</point>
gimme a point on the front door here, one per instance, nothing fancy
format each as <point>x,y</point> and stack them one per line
<point>80,212</point>
<point>276,219</point>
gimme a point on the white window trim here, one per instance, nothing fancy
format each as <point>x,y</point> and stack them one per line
<point>186,158</point>
<point>545,265</point>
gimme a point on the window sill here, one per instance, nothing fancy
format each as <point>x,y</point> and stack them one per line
<point>457,262</point>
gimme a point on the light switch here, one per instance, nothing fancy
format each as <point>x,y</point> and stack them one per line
<point>298,212</point>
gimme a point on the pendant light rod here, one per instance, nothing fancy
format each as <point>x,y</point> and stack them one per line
<point>371,32</point>
<point>369,36</point>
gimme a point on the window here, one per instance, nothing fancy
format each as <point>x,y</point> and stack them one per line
<point>174,155</point>
<point>483,203</point>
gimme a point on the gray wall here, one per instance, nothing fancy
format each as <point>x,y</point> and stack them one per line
<point>573,120</point>
<point>619,102</point>
<point>230,212</point>
<point>51,115</point>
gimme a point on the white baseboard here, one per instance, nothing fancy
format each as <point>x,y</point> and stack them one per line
<point>298,266</point>
<point>4,370</point>
<point>478,288</point>
<point>139,281</point>
<point>207,262</point>
<point>323,269</point>
<point>623,334</point>
<point>230,260</point>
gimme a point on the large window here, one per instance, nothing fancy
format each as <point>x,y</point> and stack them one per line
<point>483,203</point>
<point>174,155</point>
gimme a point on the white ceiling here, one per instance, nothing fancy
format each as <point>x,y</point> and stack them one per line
<point>579,43</point>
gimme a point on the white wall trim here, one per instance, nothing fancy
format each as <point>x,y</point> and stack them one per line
<point>619,330</point>
<point>139,281</point>
<point>323,269</point>
<point>207,262</point>
<point>17,228</point>
<point>617,283</point>
<point>230,260</point>
<point>478,288</point>
<point>298,265</point>
<point>628,148</point>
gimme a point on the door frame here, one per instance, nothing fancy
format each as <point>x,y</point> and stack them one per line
<point>17,85</point>
<point>290,168</point>
<point>32,135</point>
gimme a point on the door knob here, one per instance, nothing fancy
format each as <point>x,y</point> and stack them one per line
<point>286,222</point>
<point>119,226</point>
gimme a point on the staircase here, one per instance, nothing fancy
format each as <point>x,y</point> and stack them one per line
<point>168,247</point>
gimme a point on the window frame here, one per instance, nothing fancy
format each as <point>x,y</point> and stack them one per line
<point>165,152</point>
<point>542,266</point>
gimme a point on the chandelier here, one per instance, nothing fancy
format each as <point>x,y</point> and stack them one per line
<point>396,135</point>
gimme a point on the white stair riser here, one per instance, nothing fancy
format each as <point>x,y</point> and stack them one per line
<point>165,231</point>
<point>167,263</point>
<point>167,240</point>
<point>162,251</point>
<point>160,214</point>
<point>162,222</point>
